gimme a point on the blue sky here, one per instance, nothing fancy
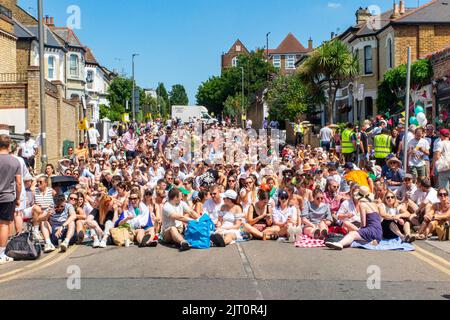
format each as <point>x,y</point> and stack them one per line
<point>181,41</point>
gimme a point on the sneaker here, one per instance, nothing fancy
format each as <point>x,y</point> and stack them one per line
<point>152,244</point>
<point>80,237</point>
<point>96,244</point>
<point>64,246</point>
<point>37,236</point>
<point>334,245</point>
<point>49,248</point>
<point>102,244</point>
<point>185,246</point>
<point>4,259</point>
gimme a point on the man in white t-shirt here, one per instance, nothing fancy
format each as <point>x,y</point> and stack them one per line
<point>325,136</point>
<point>175,210</point>
<point>418,148</point>
<point>28,150</point>
<point>212,206</point>
<point>421,204</point>
<point>93,137</point>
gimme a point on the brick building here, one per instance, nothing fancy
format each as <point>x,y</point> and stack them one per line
<point>381,43</point>
<point>20,87</point>
<point>440,62</point>
<point>284,57</point>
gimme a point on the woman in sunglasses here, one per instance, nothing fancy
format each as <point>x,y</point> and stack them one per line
<point>284,216</point>
<point>394,217</point>
<point>232,183</point>
<point>440,216</point>
<point>137,217</point>
<point>316,216</point>
<point>259,218</point>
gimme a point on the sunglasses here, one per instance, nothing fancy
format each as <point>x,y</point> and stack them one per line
<point>134,199</point>
<point>284,198</point>
<point>214,194</point>
<point>231,180</point>
<point>73,198</point>
<point>390,197</point>
<point>319,199</point>
<point>443,194</point>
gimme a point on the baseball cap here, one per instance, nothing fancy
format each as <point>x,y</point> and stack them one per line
<point>283,195</point>
<point>230,194</point>
<point>445,132</point>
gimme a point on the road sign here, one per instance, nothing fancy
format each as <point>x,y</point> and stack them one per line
<point>360,95</point>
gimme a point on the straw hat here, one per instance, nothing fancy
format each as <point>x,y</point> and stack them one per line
<point>364,195</point>
<point>307,167</point>
<point>394,159</point>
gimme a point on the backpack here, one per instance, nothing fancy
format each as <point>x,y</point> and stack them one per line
<point>198,232</point>
<point>23,247</point>
<point>443,231</point>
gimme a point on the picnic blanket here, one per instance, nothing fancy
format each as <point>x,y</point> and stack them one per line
<point>304,241</point>
<point>385,245</point>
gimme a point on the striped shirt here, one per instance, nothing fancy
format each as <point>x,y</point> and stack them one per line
<point>44,200</point>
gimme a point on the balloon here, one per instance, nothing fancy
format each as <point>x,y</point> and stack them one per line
<point>424,123</point>
<point>419,110</point>
<point>421,117</point>
<point>413,120</point>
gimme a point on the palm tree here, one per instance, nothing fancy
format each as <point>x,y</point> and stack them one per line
<point>326,69</point>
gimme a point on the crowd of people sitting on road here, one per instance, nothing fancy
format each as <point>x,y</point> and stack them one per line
<point>147,181</point>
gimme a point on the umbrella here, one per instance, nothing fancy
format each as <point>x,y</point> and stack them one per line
<point>64,181</point>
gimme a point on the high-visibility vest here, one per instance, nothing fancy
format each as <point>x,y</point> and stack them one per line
<point>382,146</point>
<point>347,144</point>
<point>297,127</point>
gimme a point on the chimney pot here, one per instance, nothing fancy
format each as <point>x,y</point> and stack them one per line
<point>402,7</point>
<point>310,43</point>
<point>396,12</point>
<point>52,21</point>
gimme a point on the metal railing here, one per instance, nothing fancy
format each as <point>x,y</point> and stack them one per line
<point>13,77</point>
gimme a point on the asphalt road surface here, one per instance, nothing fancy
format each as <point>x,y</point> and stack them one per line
<point>246,271</point>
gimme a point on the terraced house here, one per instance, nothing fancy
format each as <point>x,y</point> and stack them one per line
<point>381,42</point>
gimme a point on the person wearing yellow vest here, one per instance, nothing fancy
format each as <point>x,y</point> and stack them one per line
<point>382,146</point>
<point>348,142</point>
<point>299,132</point>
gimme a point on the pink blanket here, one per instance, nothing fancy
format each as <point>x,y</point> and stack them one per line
<point>307,242</point>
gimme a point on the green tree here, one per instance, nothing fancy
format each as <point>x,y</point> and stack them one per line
<point>163,99</point>
<point>391,91</point>
<point>118,93</point>
<point>212,94</point>
<point>258,73</point>
<point>327,68</point>
<point>178,96</point>
<point>287,98</point>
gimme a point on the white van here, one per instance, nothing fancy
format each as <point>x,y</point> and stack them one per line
<point>188,113</point>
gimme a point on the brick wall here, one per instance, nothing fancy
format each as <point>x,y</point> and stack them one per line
<point>7,54</point>
<point>405,36</point>
<point>423,40</point>
<point>23,56</point>
<point>13,96</point>
<point>18,13</point>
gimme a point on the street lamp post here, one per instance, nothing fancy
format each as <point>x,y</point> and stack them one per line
<point>408,89</point>
<point>267,44</point>
<point>44,157</point>
<point>133,104</point>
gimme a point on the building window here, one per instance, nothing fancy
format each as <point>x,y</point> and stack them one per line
<point>368,60</point>
<point>238,48</point>
<point>234,62</point>
<point>290,62</point>
<point>390,54</point>
<point>51,68</point>
<point>277,61</point>
<point>74,65</point>
<point>90,76</point>
<point>369,107</point>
